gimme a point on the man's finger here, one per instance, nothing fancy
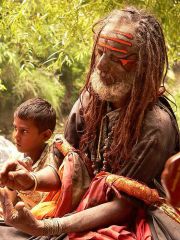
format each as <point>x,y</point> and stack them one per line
<point>23,212</point>
<point>19,206</point>
<point>6,203</point>
<point>1,195</point>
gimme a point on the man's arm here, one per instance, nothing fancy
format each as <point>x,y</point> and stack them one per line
<point>106,214</point>
<point>114,212</point>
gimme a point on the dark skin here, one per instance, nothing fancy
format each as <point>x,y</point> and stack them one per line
<point>21,218</point>
<point>120,209</point>
<point>109,62</point>
<point>29,139</point>
<point>15,175</point>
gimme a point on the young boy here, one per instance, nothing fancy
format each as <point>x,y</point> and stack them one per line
<point>34,123</point>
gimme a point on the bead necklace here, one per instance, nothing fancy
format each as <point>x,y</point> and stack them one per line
<point>100,160</point>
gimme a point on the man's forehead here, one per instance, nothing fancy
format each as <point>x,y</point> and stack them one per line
<point>118,38</point>
<point>122,30</point>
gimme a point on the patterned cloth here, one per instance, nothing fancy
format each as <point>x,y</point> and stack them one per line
<point>31,198</point>
<point>74,183</point>
<point>157,143</point>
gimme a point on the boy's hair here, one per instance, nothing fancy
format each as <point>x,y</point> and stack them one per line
<point>38,110</point>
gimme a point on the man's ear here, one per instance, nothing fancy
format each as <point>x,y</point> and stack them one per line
<point>47,134</point>
<point>162,90</point>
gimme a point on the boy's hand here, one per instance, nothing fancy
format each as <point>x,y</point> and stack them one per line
<point>18,216</point>
<point>15,176</point>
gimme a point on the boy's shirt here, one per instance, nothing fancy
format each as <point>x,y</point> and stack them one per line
<point>31,198</point>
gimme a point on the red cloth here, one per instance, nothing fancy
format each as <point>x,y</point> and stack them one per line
<point>64,203</point>
<point>97,194</point>
<point>59,202</point>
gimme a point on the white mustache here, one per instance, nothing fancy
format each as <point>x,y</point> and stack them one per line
<point>111,92</point>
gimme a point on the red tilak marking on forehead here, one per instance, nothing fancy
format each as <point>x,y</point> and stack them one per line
<point>112,48</point>
<point>127,35</point>
<point>126,61</point>
<point>116,40</point>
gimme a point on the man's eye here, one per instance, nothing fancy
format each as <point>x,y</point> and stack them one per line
<point>115,59</point>
<point>100,52</point>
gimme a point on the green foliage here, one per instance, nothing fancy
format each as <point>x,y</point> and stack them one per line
<point>177,110</point>
<point>45,45</point>
<point>38,84</point>
<point>2,87</point>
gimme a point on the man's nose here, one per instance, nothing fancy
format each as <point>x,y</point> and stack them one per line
<point>103,63</point>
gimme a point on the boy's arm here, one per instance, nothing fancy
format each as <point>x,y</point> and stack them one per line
<point>15,176</point>
<point>47,179</point>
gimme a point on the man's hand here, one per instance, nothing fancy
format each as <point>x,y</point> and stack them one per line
<point>16,176</point>
<point>1,213</point>
<point>19,216</point>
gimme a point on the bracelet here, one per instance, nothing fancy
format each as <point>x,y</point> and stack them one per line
<point>54,169</point>
<point>35,182</point>
<point>52,226</point>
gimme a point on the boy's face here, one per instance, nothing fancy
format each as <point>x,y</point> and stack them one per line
<point>27,137</point>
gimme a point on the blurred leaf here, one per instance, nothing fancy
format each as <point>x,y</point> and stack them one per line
<point>40,40</point>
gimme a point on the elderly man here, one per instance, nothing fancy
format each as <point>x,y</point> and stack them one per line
<point>122,125</point>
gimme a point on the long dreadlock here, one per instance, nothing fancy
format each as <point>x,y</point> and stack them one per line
<point>151,71</point>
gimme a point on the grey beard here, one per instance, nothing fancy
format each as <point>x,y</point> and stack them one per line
<point>111,93</point>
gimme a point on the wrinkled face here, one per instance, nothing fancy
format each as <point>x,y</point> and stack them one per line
<point>115,63</point>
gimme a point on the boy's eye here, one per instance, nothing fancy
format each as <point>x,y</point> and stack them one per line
<point>24,131</point>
